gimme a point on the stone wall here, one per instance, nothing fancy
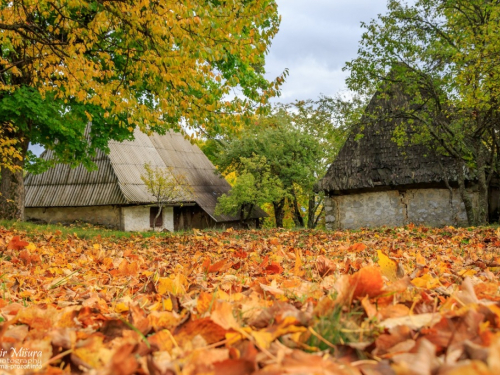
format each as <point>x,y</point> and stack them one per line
<point>108,216</point>
<point>431,207</point>
<point>131,218</point>
<point>136,218</point>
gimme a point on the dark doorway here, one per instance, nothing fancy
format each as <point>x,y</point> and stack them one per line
<point>153,211</point>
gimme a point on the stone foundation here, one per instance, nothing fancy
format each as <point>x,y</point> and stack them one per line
<point>109,216</point>
<point>129,218</point>
<point>430,207</point>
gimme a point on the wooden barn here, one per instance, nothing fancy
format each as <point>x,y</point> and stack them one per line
<point>115,196</point>
<point>373,182</point>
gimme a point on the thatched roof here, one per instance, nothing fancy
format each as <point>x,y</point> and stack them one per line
<point>117,181</point>
<point>370,158</point>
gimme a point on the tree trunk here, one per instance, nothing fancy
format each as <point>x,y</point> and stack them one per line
<point>311,212</point>
<point>160,207</point>
<point>482,209</point>
<point>12,188</point>
<point>312,218</point>
<point>469,207</point>
<point>279,212</point>
<point>12,195</point>
<point>245,213</point>
<point>297,216</point>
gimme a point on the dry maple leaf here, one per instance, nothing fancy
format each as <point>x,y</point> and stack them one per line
<point>367,282</point>
<point>273,269</point>
<point>216,267</point>
<point>357,248</point>
<point>16,243</point>
<point>325,266</point>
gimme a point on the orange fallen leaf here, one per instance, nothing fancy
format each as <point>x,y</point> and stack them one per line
<point>123,362</point>
<point>234,366</point>
<point>273,269</point>
<point>356,248</point>
<point>297,269</point>
<point>205,300</point>
<point>128,269</point>
<point>16,243</point>
<point>216,267</point>
<point>222,314</point>
<point>367,282</point>
<point>420,259</point>
<point>206,265</point>
<point>241,254</point>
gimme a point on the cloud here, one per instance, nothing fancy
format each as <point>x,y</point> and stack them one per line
<point>315,40</point>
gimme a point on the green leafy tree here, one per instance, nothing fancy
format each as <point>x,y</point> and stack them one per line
<point>328,120</point>
<point>290,154</point>
<point>254,186</point>
<point>310,131</point>
<point>122,64</point>
<point>442,58</point>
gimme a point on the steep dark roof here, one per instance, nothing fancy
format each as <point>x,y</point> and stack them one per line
<point>117,181</point>
<point>370,158</point>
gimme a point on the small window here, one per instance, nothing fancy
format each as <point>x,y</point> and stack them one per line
<point>153,211</point>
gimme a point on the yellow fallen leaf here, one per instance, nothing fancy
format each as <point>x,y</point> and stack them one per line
<point>298,264</point>
<point>464,273</point>
<point>233,337</point>
<point>176,286</point>
<point>164,285</point>
<point>388,266</point>
<point>420,259</point>
<point>121,307</point>
<point>426,281</point>
<point>262,338</point>
<point>167,304</point>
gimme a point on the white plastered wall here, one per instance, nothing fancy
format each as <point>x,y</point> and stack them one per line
<point>136,219</point>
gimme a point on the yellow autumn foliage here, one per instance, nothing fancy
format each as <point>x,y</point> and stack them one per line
<point>10,155</point>
<point>156,61</point>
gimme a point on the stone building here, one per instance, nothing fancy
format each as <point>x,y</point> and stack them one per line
<point>115,196</point>
<point>373,182</point>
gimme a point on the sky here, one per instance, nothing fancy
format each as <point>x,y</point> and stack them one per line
<point>315,40</point>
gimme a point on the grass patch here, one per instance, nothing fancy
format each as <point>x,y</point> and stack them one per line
<point>341,328</point>
<point>89,231</point>
<point>81,230</point>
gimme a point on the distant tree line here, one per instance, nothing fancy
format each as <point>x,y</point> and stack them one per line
<point>278,158</point>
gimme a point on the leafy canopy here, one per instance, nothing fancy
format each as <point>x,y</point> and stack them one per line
<point>290,154</point>
<point>165,185</point>
<point>122,64</point>
<point>441,55</point>
<point>254,186</point>
<point>8,150</point>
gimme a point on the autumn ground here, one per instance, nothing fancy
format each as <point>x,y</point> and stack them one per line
<point>407,300</point>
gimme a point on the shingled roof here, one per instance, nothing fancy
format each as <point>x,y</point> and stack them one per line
<point>370,158</point>
<point>117,181</point>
